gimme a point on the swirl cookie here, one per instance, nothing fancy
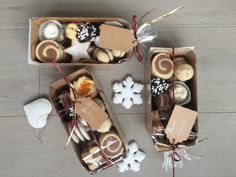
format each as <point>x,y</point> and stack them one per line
<point>162,66</point>
<point>183,71</point>
<point>111,145</point>
<point>49,50</point>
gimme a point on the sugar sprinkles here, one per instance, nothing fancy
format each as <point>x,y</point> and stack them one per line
<point>158,86</point>
<point>87,32</point>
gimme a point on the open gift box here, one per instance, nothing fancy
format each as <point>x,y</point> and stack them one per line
<point>164,103</point>
<point>96,148</point>
<point>66,59</point>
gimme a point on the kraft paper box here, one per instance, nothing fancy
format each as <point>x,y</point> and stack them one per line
<point>55,89</point>
<point>35,22</point>
<point>189,55</point>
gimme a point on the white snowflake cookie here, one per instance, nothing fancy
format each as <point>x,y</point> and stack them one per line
<point>133,159</point>
<point>127,93</point>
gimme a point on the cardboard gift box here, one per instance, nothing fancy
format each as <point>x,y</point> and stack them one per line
<point>151,123</point>
<point>93,154</point>
<point>34,26</point>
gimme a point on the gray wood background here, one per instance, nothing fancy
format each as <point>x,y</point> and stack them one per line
<point>210,26</point>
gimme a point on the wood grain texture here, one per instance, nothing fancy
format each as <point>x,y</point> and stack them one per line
<point>19,82</point>
<point>22,155</point>
<point>207,25</point>
<point>198,13</point>
<point>106,76</point>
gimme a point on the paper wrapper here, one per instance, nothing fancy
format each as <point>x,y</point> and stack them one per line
<point>34,25</point>
<point>89,151</point>
<point>188,54</point>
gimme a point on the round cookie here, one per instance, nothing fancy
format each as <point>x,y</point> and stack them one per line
<point>182,93</point>
<point>118,53</point>
<point>49,50</point>
<point>104,56</point>
<point>105,127</point>
<point>111,144</point>
<point>183,71</point>
<point>162,66</point>
<point>71,29</point>
<point>84,87</point>
<point>179,60</point>
<point>51,30</point>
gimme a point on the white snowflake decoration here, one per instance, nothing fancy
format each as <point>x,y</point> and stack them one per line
<point>127,93</point>
<point>133,159</point>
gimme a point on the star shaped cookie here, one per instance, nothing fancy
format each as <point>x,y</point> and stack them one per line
<point>78,50</point>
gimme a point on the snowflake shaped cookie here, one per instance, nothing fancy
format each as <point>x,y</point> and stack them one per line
<point>127,93</point>
<point>158,86</point>
<point>133,159</point>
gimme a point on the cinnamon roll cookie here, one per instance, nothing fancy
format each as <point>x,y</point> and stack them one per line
<point>49,50</point>
<point>162,66</point>
<point>111,145</point>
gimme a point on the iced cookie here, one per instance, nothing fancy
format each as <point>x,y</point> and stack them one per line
<point>162,66</point>
<point>78,50</point>
<point>49,50</point>
<point>83,87</point>
<point>51,30</point>
<point>183,70</point>
<point>182,93</point>
<point>111,145</point>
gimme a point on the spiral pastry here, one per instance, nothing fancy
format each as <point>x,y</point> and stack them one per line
<point>162,66</point>
<point>49,50</point>
<point>111,145</point>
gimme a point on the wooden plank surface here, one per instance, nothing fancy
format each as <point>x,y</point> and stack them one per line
<point>207,25</point>
<point>198,13</point>
<point>22,155</point>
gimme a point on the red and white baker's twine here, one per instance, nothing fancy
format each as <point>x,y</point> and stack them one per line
<point>73,123</point>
